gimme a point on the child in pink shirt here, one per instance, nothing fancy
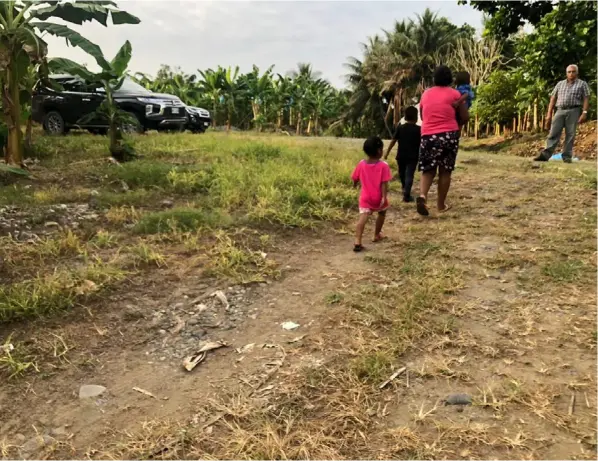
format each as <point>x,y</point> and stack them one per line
<point>373,174</point>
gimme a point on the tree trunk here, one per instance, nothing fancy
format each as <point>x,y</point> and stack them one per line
<point>488,129</point>
<point>214,114</point>
<point>279,120</point>
<point>396,117</point>
<point>28,133</point>
<point>476,126</point>
<point>519,122</point>
<point>309,126</point>
<point>291,119</point>
<point>535,115</point>
<point>114,137</point>
<point>298,129</point>
<point>543,120</point>
<point>12,115</point>
<point>316,125</point>
<point>514,125</point>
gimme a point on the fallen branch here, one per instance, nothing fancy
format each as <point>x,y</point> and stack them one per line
<point>393,376</point>
<point>571,404</point>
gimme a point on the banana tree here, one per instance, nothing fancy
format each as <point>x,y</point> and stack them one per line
<point>281,98</point>
<point>110,79</point>
<point>259,90</point>
<point>211,85</point>
<point>21,23</point>
<point>231,88</point>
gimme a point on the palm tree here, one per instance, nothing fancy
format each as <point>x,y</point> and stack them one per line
<point>402,63</point>
<point>21,22</point>
<point>306,71</point>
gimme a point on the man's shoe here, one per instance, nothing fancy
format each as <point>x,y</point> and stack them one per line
<point>408,199</point>
<point>540,158</point>
<point>567,160</point>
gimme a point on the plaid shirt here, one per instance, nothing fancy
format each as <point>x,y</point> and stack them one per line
<point>570,94</point>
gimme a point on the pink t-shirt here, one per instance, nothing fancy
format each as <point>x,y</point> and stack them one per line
<point>371,176</point>
<point>438,114</point>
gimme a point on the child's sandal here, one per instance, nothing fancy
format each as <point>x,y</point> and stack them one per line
<point>358,248</point>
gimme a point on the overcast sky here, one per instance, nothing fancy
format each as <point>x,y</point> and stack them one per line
<point>198,34</point>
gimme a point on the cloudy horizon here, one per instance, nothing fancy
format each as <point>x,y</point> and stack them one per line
<point>203,34</point>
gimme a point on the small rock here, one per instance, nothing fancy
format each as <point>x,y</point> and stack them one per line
<point>36,443</point>
<point>94,193</point>
<point>51,224</point>
<point>91,390</point>
<point>192,322</point>
<point>458,399</point>
<point>20,438</point>
<point>62,206</point>
<point>162,332</point>
<point>167,203</point>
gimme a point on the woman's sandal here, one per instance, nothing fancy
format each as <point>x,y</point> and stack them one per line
<point>422,208</point>
<point>358,248</point>
<point>445,209</point>
<point>379,237</point>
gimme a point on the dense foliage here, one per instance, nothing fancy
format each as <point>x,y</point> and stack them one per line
<point>21,48</point>
<point>300,101</point>
<point>513,70</point>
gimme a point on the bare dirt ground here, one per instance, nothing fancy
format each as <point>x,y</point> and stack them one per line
<point>495,299</point>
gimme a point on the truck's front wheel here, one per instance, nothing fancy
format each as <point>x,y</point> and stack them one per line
<point>54,123</point>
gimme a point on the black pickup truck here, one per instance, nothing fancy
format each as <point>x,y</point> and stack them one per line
<point>59,111</point>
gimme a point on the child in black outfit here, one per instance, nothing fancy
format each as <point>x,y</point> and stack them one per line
<point>408,135</point>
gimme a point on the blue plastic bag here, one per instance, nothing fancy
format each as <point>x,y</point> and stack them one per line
<point>559,157</point>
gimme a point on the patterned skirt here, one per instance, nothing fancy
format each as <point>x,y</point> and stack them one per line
<point>438,151</point>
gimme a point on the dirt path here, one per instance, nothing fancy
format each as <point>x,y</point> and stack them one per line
<point>495,300</point>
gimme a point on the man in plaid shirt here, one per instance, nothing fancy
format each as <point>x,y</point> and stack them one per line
<point>572,99</point>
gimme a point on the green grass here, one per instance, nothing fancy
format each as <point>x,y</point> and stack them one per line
<point>563,271</point>
<point>180,219</point>
<point>54,292</point>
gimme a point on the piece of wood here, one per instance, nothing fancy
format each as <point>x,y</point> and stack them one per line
<point>143,391</point>
<point>587,401</point>
<point>571,405</point>
<point>393,376</point>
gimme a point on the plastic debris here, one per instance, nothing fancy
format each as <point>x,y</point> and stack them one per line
<point>559,156</point>
<point>192,361</point>
<point>222,298</point>
<point>290,326</point>
<point>91,390</point>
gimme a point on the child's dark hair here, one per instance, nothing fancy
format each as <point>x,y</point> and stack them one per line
<point>372,146</point>
<point>411,114</point>
<point>462,78</point>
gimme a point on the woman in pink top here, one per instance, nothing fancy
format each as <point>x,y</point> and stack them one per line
<point>440,137</point>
